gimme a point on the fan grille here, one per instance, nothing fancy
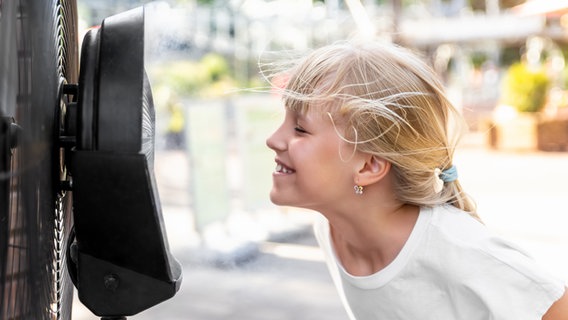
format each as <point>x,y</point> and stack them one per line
<point>148,123</point>
<point>33,283</point>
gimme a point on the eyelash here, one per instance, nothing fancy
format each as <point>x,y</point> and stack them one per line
<point>299,129</point>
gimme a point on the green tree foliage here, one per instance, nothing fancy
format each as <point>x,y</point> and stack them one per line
<point>208,76</point>
<point>478,59</point>
<point>524,88</point>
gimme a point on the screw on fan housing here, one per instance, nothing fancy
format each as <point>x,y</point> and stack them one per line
<point>112,281</point>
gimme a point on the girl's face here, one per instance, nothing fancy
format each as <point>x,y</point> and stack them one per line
<point>310,172</point>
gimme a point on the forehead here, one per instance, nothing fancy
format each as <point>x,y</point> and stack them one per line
<point>316,112</point>
<point>328,113</point>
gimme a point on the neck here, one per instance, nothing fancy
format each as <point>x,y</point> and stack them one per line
<point>368,239</point>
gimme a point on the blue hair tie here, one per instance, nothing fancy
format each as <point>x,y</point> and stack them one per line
<point>450,174</point>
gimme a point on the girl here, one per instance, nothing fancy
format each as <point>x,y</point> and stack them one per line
<point>367,141</point>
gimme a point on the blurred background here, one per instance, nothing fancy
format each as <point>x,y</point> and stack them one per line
<point>503,63</point>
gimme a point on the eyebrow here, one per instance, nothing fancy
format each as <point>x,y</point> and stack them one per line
<point>295,113</point>
<point>300,115</point>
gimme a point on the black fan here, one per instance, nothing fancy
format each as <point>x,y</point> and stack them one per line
<point>38,52</point>
<point>119,260</point>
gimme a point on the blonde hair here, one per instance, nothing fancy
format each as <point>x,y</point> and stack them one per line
<point>390,104</point>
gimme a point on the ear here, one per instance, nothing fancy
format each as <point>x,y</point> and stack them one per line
<point>373,169</point>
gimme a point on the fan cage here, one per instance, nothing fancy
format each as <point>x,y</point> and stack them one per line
<point>33,281</point>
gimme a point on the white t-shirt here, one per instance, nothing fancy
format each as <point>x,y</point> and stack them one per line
<point>451,267</point>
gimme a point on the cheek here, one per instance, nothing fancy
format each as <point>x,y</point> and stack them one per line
<point>317,156</point>
<point>325,168</point>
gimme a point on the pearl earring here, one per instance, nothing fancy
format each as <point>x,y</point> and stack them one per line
<point>358,189</point>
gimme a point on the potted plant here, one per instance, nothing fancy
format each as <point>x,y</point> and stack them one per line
<point>516,118</point>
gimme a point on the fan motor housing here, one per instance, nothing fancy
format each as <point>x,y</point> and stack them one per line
<point>120,261</point>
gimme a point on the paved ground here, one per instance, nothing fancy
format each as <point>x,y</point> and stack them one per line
<point>521,195</point>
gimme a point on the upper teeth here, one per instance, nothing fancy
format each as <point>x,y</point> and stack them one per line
<point>281,168</point>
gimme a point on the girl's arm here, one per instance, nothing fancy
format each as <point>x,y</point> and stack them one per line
<point>558,310</point>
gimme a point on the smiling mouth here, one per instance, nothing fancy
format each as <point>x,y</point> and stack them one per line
<point>280,168</point>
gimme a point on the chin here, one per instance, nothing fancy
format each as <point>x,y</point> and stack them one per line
<point>278,200</point>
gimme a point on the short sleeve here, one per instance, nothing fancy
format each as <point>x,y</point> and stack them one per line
<point>512,284</point>
<point>492,277</point>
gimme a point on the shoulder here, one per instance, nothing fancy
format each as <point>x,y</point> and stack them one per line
<point>450,217</point>
<point>456,228</point>
<point>458,233</point>
<point>462,230</point>
<point>485,266</point>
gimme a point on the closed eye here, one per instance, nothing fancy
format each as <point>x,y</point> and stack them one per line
<point>299,129</point>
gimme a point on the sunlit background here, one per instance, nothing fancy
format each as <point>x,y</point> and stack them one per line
<point>503,63</point>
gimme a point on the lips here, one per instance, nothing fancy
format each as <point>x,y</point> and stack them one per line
<point>281,168</point>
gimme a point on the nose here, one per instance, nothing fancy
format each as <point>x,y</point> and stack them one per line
<point>276,140</point>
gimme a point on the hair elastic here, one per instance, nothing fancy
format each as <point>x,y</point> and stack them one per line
<point>450,174</point>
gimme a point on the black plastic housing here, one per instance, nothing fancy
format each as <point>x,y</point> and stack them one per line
<point>120,261</point>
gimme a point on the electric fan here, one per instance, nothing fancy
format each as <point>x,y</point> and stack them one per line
<point>38,53</point>
<point>119,259</point>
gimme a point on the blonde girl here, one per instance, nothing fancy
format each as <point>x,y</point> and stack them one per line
<point>367,141</point>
